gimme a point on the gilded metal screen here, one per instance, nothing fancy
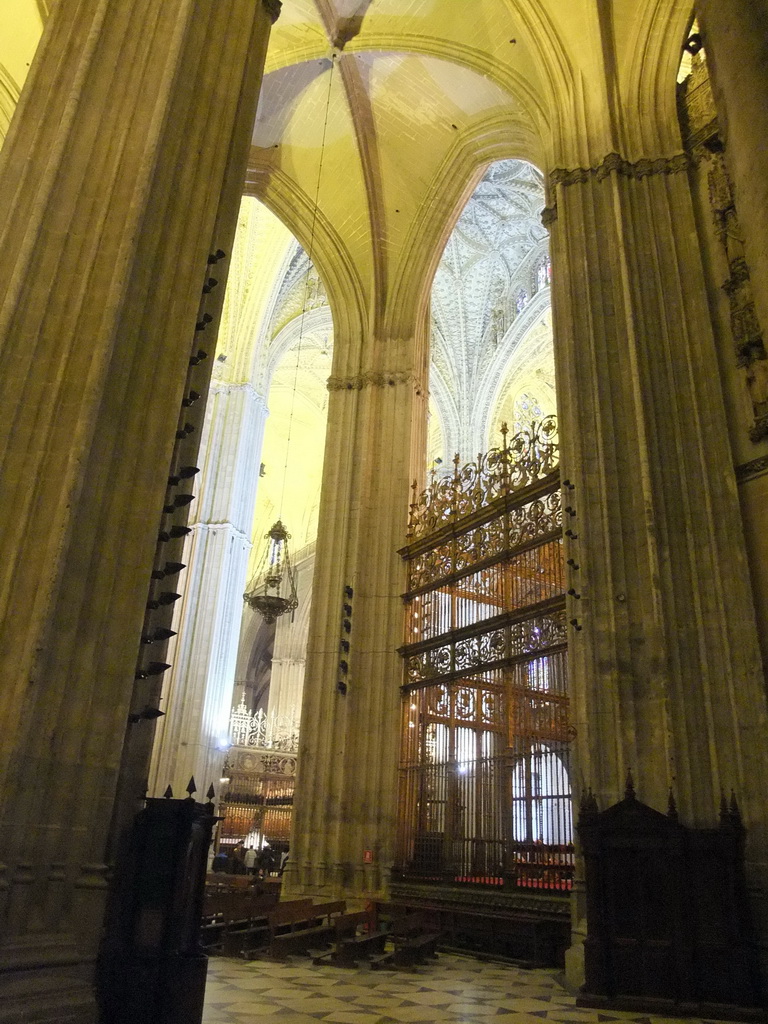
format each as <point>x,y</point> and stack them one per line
<point>257,811</point>
<point>485,794</point>
<point>260,771</point>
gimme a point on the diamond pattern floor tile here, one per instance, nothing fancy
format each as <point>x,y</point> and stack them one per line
<point>450,990</point>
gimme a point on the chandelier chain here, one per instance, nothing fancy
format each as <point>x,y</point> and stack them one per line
<point>305,299</point>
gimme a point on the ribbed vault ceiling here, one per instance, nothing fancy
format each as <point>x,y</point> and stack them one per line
<point>415,98</point>
<point>386,95</point>
<point>485,351</point>
<point>484,293</point>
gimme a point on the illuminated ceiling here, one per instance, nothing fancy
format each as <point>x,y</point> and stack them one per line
<point>484,352</point>
<point>377,120</point>
<point>409,101</point>
<point>488,270</point>
<point>21,23</point>
<point>388,93</point>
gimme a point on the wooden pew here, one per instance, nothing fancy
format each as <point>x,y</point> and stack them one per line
<point>349,945</point>
<point>226,912</point>
<point>252,931</point>
<point>415,938</point>
<point>221,880</point>
<point>250,942</point>
<point>297,929</point>
<point>220,909</point>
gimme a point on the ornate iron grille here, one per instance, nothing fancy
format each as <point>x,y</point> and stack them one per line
<point>256,809</point>
<point>485,794</point>
<point>257,804</point>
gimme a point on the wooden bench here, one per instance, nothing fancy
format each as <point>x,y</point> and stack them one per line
<point>252,931</point>
<point>220,909</point>
<point>349,945</point>
<point>220,880</point>
<point>297,929</point>
<point>415,939</point>
<point>249,943</point>
<point>228,916</point>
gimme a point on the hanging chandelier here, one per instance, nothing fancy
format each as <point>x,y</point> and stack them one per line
<point>272,590</point>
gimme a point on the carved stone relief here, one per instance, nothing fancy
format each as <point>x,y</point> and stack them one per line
<point>698,117</point>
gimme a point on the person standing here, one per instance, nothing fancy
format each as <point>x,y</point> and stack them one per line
<point>250,861</point>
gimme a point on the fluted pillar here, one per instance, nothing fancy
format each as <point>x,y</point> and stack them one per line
<point>736,40</point>
<point>121,172</point>
<point>664,663</point>
<point>193,737</point>
<point>286,683</point>
<point>346,791</point>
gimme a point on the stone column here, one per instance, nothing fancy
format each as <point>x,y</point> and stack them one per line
<point>346,793</point>
<point>121,172</point>
<point>736,41</point>
<point>664,662</point>
<point>193,737</point>
<point>286,684</point>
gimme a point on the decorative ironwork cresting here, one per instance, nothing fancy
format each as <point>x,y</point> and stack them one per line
<point>259,776</point>
<point>258,729</point>
<point>485,759</point>
<point>522,460</point>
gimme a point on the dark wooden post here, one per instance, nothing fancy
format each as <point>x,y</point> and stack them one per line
<point>152,967</point>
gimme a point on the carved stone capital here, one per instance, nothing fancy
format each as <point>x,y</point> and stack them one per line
<point>549,215</point>
<point>375,379</point>
<point>616,164</point>
<point>273,8</point>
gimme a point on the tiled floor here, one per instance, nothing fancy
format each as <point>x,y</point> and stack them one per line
<point>451,990</point>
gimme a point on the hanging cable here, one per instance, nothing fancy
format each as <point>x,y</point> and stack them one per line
<point>272,591</point>
<point>305,300</point>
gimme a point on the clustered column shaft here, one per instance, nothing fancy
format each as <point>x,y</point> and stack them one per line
<point>122,169</point>
<point>665,672</point>
<point>198,696</point>
<point>346,790</point>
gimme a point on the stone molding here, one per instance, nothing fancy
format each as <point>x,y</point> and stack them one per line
<point>223,387</point>
<point>750,470</point>
<point>375,379</point>
<point>218,527</point>
<point>273,8</point>
<point>614,163</point>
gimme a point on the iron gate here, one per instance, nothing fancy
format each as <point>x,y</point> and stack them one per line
<point>485,795</point>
